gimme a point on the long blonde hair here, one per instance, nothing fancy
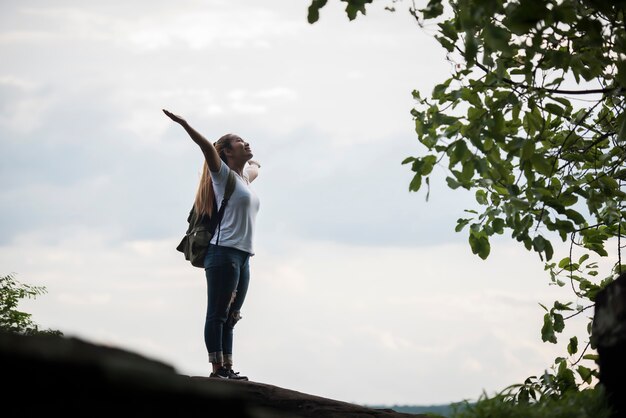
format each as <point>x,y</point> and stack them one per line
<point>205,195</point>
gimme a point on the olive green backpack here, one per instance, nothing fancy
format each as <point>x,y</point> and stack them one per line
<point>195,243</point>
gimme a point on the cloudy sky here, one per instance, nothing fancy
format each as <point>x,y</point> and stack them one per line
<point>361,291</point>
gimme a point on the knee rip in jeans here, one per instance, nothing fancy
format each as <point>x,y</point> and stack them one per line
<point>233,318</point>
<point>232,299</point>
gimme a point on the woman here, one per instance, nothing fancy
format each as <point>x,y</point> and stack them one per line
<point>226,264</point>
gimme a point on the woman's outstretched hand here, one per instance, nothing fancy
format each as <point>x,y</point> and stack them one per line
<point>174,117</point>
<point>210,154</point>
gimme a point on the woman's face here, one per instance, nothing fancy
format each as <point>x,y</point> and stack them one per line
<point>239,149</point>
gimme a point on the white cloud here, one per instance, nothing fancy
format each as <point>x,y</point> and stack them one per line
<point>25,115</point>
<point>248,108</point>
<point>222,25</point>
<point>18,82</point>
<point>260,101</point>
<point>278,93</point>
<point>23,104</point>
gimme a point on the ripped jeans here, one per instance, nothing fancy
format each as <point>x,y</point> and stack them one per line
<point>227,273</point>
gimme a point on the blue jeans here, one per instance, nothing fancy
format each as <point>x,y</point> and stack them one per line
<point>227,273</point>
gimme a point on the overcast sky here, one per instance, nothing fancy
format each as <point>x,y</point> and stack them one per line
<point>361,291</point>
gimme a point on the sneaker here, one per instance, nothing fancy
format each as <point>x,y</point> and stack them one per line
<point>224,373</point>
<point>221,373</point>
<point>235,375</point>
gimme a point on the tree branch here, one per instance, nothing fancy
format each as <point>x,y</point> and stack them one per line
<point>579,312</point>
<point>582,354</point>
<point>553,91</point>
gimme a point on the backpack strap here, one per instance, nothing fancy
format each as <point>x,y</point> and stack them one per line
<point>230,185</point>
<point>230,188</point>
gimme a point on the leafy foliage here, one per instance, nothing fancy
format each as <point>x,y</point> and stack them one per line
<point>532,121</point>
<point>588,403</point>
<point>509,125</point>
<point>13,320</point>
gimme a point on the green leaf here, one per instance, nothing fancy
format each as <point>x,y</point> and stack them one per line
<point>481,197</point>
<point>419,126</point>
<point>547,330</point>
<point>355,6</point>
<point>467,173</point>
<point>416,183</point>
<point>554,109</point>
<point>448,30</point>
<point>498,225</point>
<point>533,121</point>
<point>528,150</point>
<point>480,245</point>
<point>559,323</point>
<point>585,374</point>
<point>572,347</point>
<point>314,10</point>
<point>471,48</point>
<point>566,103</point>
<point>567,199</point>
<point>460,224</point>
<point>440,89</point>
<point>541,164</point>
<point>471,95</point>
<point>446,43</point>
<point>558,306</point>
<point>458,151</point>
<point>539,243</point>
<point>429,163</point>
<point>424,165</point>
<point>564,262</point>
<point>548,250</point>
<point>452,183</point>
<point>433,9</point>
<point>574,216</point>
<point>497,38</point>
<point>523,16</point>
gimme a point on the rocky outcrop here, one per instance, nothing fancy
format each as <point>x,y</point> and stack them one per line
<point>45,374</point>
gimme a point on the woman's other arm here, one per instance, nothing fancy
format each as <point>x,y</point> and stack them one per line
<point>252,170</point>
<point>209,151</point>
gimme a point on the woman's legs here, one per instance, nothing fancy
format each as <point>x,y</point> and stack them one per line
<point>234,312</point>
<point>228,276</point>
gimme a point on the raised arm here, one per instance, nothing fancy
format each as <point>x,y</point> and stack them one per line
<point>209,151</point>
<point>252,170</point>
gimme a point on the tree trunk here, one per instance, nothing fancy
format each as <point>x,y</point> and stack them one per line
<point>609,338</point>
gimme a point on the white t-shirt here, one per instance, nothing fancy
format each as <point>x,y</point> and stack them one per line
<point>238,223</point>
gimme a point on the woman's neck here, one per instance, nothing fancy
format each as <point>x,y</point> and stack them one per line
<point>237,167</point>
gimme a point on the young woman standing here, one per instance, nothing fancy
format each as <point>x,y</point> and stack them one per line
<point>226,264</point>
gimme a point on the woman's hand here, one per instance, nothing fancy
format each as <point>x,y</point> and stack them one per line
<point>210,154</point>
<point>174,117</point>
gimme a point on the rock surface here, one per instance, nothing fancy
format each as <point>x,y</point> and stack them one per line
<point>59,375</point>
